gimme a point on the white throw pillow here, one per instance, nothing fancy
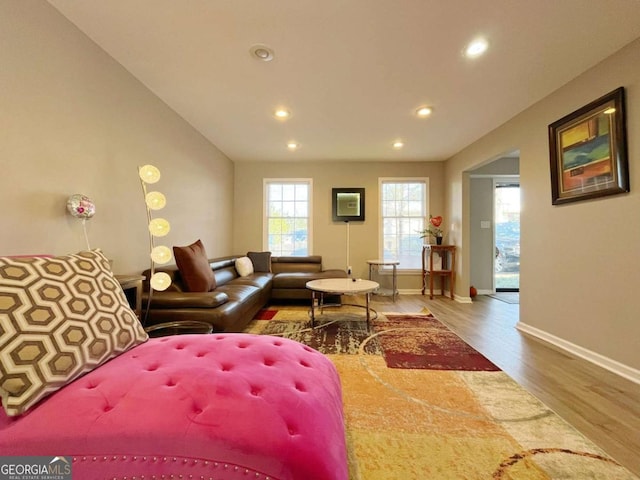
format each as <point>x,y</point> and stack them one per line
<point>244,266</point>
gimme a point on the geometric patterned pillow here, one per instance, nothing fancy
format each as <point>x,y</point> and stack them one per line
<point>60,317</point>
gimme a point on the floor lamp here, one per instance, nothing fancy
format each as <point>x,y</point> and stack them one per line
<point>157,227</point>
<point>349,272</point>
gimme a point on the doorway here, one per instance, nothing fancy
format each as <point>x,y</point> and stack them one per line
<point>507,235</point>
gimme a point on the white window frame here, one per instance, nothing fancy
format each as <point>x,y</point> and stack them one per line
<point>381,181</point>
<point>265,212</point>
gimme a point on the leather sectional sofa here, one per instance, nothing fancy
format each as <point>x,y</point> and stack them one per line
<point>236,299</point>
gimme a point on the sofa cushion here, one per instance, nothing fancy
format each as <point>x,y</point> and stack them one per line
<point>194,267</point>
<point>189,299</point>
<point>244,266</point>
<point>310,263</point>
<point>288,280</point>
<point>60,318</point>
<point>261,261</point>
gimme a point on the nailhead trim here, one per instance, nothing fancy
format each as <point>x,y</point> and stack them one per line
<point>185,463</point>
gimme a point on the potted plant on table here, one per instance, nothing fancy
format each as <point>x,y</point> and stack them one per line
<point>433,230</point>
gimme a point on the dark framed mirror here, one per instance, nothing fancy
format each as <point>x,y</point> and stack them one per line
<point>348,204</point>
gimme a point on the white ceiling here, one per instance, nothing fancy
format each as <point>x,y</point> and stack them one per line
<point>353,71</point>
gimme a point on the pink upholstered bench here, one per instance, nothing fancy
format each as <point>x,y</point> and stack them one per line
<point>225,406</point>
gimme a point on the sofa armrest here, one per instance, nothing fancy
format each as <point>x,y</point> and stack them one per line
<point>188,299</point>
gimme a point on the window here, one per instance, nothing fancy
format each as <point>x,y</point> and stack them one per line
<point>404,210</point>
<point>287,225</point>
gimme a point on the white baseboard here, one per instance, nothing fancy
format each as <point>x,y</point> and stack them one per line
<point>605,362</point>
<point>486,292</point>
<point>409,291</point>
<point>457,298</point>
<point>461,299</point>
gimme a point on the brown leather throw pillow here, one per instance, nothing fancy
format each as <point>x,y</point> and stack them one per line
<point>194,267</point>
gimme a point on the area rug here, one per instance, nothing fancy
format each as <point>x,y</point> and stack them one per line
<point>343,333</point>
<point>430,423</point>
<point>422,341</point>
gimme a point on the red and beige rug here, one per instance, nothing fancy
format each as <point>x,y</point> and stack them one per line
<point>422,404</point>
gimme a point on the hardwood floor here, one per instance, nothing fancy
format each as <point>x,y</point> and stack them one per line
<point>601,405</point>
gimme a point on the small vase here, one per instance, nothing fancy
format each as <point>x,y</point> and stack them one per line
<point>438,240</point>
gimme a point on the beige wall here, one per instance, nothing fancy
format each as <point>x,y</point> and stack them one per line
<point>579,262</point>
<point>72,120</point>
<point>329,238</point>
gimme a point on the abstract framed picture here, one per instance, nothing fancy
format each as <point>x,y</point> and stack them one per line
<point>588,151</point>
<point>347,204</point>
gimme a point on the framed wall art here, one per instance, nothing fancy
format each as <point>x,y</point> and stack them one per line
<point>348,204</point>
<point>588,151</point>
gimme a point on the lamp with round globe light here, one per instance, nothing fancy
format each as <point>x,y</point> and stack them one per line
<point>158,227</point>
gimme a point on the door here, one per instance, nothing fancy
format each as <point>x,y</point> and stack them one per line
<point>507,236</point>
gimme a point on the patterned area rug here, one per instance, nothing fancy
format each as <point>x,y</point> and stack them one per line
<point>422,341</point>
<point>407,418</point>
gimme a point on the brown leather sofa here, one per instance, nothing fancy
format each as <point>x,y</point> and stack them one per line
<point>235,300</point>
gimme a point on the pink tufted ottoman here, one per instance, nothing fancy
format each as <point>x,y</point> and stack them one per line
<point>224,406</point>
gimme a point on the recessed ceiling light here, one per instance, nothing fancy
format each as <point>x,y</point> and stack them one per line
<point>424,111</point>
<point>282,113</point>
<point>261,52</point>
<point>398,144</point>
<point>476,48</point>
<point>293,145</point>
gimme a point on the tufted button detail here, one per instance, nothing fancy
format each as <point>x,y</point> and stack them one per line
<point>243,345</point>
<point>269,362</point>
<point>180,347</point>
<point>300,387</point>
<point>255,391</point>
<point>200,354</point>
<point>170,383</point>
<point>304,363</point>
<point>225,367</point>
<point>107,408</point>
<point>152,368</point>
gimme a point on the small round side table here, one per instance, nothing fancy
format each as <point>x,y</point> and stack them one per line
<point>386,263</point>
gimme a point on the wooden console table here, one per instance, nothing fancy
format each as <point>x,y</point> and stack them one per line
<point>440,261</point>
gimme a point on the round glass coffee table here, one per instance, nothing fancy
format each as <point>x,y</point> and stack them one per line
<point>341,286</point>
<point>178,328</point>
